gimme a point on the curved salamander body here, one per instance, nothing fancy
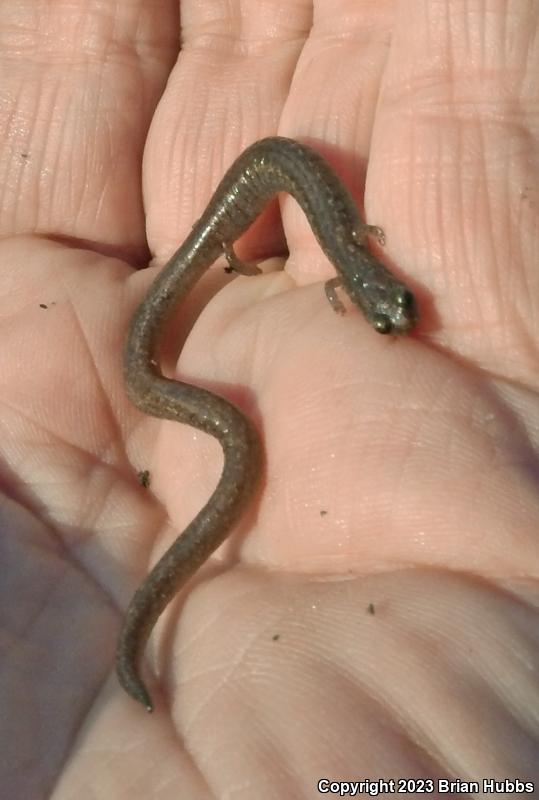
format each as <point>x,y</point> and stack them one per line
<point>269,166</point>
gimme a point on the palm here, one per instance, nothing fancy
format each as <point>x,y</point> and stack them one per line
<point>377,608</point>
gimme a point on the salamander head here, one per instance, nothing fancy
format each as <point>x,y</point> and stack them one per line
<point>393,311</point>
<point>387,303</point>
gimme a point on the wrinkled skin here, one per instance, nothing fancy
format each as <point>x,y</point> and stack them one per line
<point>376,615</point>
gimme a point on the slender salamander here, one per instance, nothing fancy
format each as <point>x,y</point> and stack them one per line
<point>269,166</point>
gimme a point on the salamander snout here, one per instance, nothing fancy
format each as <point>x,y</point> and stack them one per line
<point>396,312</point>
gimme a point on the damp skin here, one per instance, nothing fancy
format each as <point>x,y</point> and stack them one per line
<point>269,166</point>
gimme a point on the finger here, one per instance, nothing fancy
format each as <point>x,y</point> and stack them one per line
<point>226,90</point>
<point>453,149</point>
<point>74,116</point>
<point>331,105</point>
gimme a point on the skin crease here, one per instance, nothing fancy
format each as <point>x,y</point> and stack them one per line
<point>399,474</point>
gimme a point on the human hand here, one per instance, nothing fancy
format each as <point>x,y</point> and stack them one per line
<point>376,615</point>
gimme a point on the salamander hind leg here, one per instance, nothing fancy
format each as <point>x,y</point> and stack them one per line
<point>235,264</point>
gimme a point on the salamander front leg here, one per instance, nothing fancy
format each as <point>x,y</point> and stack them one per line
<point>330,288</point>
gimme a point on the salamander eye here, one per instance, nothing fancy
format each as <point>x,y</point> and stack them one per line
<point>382,324</point>
<point>404,298</point>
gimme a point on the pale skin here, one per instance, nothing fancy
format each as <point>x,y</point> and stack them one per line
<point>401,476</point>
